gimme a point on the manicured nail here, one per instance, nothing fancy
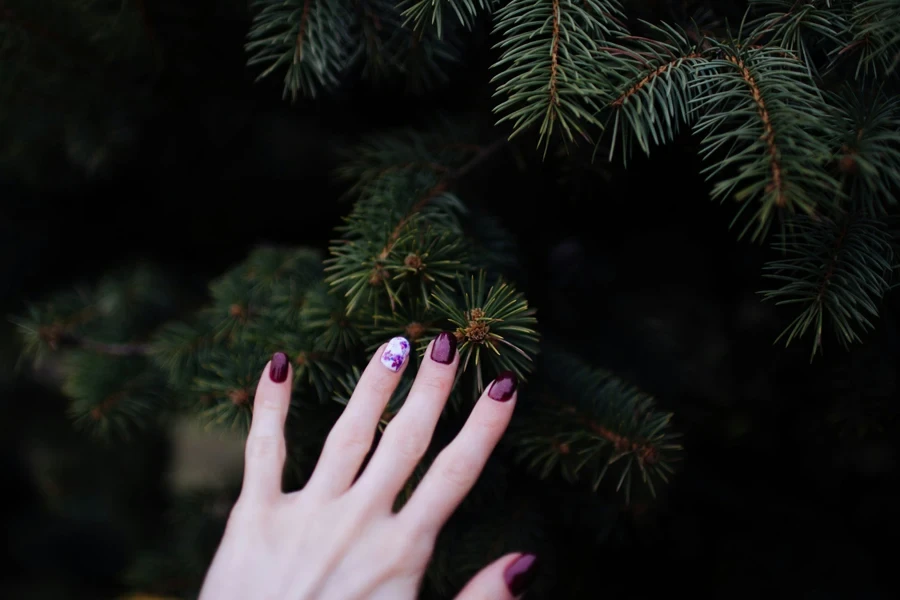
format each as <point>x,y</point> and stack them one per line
<point>503,387</point>
<point>278,370</point>
<point>521,573</point>
<point>444,348</point>
<point>395,353</point>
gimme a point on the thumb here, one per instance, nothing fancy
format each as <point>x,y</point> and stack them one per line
<point>506,578</point>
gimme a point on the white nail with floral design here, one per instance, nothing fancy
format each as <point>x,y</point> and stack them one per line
<point>396,352</point>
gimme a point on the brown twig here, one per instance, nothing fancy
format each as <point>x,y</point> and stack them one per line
<point>650,77</point>
<point>301,31</point>
<point>554,59</point>
<point>832,263</point>
<point>439,188</point>
<point>111,349</point>
<point>776,22</point>
<point>645,451</point>
<point>768,135</point>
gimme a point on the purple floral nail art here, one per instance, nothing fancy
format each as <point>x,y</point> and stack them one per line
<point>395,353</point>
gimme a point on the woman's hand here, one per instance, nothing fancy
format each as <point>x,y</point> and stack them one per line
<point>338,538</point>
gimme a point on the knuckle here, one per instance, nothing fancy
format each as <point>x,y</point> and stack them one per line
<point>242,514</point>
<point>353,434</point>
<point>264,447</point>
<point>410,442</point>
<point>267,402</point>
<point>422,534</point>
<point>381,386</point>
<point>460,469</point>
<point>491,426</point>
<point>407,553</point>
<point>436,385</point>
<point>395,555</point>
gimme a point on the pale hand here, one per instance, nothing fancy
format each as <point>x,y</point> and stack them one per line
<point>338,538</point>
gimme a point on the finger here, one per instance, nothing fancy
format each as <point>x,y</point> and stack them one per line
<point>351,437</point>
<point>264,453</point>
<point>407,436</point>
<point>458,466</point>
<point>506,578</point>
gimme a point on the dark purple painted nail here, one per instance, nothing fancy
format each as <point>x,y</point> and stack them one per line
<point>444,348</point>
<point>503,387</point>
<point>521,573</point>
<point>278,370</point>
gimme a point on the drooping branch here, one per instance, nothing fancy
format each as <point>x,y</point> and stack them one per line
<point>439,188</point>
<point>310,38</point>
<point>837,271</point>
<point>650,91</point>
<point>59,339</point>
<point>554,60</point>
<point>551,72</point>
<point>768,136</point>
<point>301,30</point>
<point>651,76</point>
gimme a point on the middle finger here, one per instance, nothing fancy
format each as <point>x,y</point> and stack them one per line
<point>409,433</point>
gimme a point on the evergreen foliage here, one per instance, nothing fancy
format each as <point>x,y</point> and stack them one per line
<point>812,163</point>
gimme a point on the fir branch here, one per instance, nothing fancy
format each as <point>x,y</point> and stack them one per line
<point>870,153</point>
<point>798,26</point>
<point>112,397</point>
<point>652,91</point>
<point>177,349</point>
<point>764,111</point>
<point>379,23</point>
<point>365,261</point>
<point>402,229</point>
<point>325,318</point>
<point>837,271</point>
<point>422,14</point>
<point>438,189</point>
<point>494,328</point>
<point>225,387</point>
<point>549,67</point>
<point>875,30</point>
<point>309,37</point>
<point>417,321</point>
<point>111,317</point>
<point>109,349</point>
<point>437,150</point>
<point>388,48</point>
<point>589,420</point>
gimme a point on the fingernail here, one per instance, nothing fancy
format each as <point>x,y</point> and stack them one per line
<point>521,573</point>
<point>395,353</point>
<point>278,370</point>
<point>503,387</point>
<point>443,350</point>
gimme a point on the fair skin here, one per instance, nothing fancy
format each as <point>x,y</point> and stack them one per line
<point>338,538</point>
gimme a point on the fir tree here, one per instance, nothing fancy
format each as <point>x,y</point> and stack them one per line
<point>796,111</point>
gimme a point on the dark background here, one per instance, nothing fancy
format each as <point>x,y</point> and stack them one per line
<point>786,486</point>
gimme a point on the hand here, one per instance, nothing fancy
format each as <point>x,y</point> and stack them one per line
<point>338,538</point>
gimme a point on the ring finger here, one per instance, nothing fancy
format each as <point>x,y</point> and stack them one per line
<point>458,466</point>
